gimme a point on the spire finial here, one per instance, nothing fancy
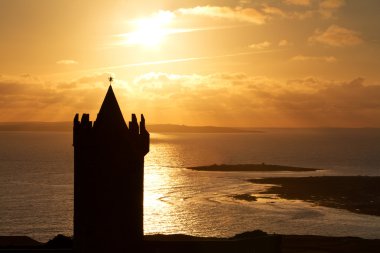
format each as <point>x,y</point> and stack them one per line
<point>110,79</point>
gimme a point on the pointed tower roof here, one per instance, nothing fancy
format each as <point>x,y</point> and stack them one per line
<point>110,115</point>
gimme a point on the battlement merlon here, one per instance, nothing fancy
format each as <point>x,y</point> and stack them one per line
<point>139,134</point>
<point>144,136</point>
<point>84,122</point>
<point>81,129</point>
<point>133,126</point>
<point>76,120</point>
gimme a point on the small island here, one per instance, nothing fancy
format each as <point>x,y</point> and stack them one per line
<point>250,167</point>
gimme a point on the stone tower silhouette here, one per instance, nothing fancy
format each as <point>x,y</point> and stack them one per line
<point>108,179</point>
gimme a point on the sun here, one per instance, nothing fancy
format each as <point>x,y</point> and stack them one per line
<point>149,32</point>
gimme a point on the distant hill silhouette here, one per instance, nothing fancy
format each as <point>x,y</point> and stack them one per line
<point>37,126</point>
<point>162,128</point>
<point>155,128</point>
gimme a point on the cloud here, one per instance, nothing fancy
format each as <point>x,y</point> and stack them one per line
<point>329,59</point>
<point>250,15</point>
<point>261,45</point>
<point>244,2</point>
<point>67,62</point>
<point>274,11</point>
<point>298,2</point>
<point>230,99</point>
<point>25,98</point>
<point>332,4</point>
<point>154,29</point>
<point>336,36</point>
<point>160,22</point>
<point>327,8</point>
<point>283,43</point>
<point>310,9</point>
<point>333,104</point>
<point>239,99</point>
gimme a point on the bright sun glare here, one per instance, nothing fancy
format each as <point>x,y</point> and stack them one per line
<point>150,32</point>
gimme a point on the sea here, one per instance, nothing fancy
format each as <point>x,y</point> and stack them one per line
<point>36,182</point>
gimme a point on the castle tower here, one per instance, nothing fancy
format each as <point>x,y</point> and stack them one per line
<point>108,179</point>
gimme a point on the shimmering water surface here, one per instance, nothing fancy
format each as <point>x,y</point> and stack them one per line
<point>36,182</point>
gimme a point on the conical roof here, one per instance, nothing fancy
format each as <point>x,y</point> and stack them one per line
<point>110,115</point>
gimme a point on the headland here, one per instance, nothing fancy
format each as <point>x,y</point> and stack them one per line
<point>358,194</point>
<point>250,167</point>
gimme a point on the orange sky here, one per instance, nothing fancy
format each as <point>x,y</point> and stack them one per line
<point>264,63</point>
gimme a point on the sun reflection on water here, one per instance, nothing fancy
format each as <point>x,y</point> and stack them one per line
<point>39,201</point>
<point>178,200</point>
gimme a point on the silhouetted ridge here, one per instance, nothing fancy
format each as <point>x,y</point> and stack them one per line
<point>110,115</point>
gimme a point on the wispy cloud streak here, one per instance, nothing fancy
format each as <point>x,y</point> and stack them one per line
<point>125,37</point>
<point>161,62</point>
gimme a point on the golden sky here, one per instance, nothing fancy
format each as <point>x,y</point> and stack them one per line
<point>263,63</point>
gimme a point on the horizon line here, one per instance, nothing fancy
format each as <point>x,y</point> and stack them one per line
<point>216,126</point>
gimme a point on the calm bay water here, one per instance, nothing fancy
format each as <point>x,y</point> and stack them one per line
<point>36,182</point>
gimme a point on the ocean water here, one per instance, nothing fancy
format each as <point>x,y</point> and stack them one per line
<point>36,182</point>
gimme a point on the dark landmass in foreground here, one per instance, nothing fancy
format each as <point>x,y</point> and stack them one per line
<point>359,194</point>
<point>250,167</point>
<point>257,241</point>
<point>154,128</point>
<point>324,244</point>
<point>289,243</point>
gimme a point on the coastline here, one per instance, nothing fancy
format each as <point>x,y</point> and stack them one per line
<point>358,194</point>
<point>250,167</point>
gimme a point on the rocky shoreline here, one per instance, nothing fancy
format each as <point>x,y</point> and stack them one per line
<point>358,194</point>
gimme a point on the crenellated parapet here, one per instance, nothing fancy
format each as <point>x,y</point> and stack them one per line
<point>85,133</point>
